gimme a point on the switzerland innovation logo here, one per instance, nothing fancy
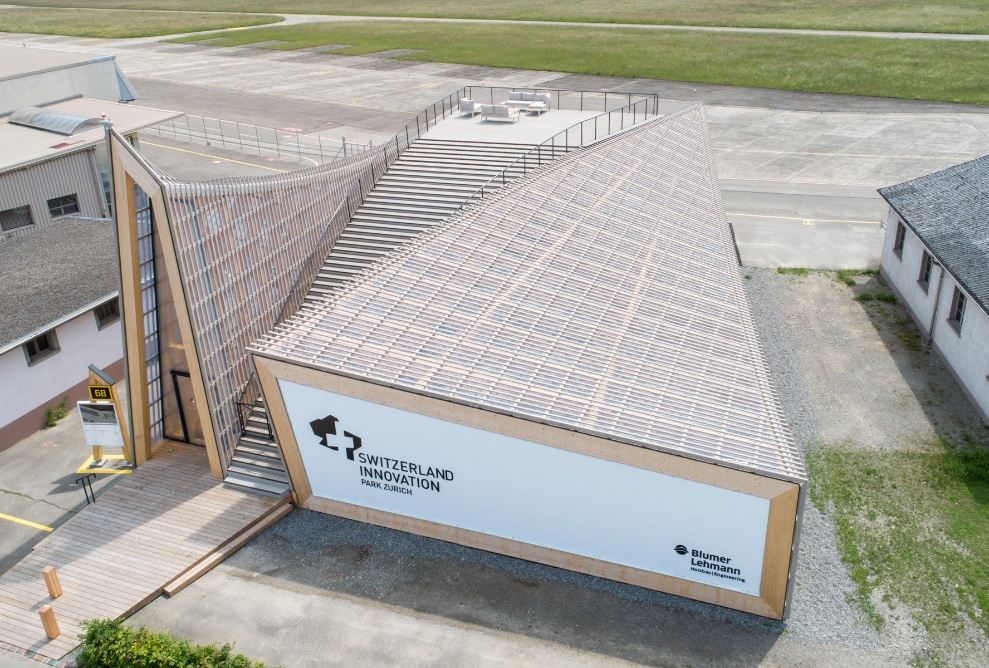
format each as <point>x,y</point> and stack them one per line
<point>327,426</point>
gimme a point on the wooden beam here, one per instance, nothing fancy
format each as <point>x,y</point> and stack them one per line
<point>132,312</point>
<point>207,564</point>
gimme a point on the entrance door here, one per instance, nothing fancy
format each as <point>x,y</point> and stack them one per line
<point>192,427</point>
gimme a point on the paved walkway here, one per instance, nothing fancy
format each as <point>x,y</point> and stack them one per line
<point>116,555</point>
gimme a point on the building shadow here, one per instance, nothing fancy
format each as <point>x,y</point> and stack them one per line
<point>496,592</point>
<point>955,420</point>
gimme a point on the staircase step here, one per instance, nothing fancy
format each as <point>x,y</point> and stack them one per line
<point>269,487</point>
<point>255,450</point>
<point>429,182</point>
<point>264,462</point>
<point>257,472</point>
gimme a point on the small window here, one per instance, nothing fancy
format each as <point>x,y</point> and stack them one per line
<point>957,314</point>
<point>11,219</point>
<point>41,347</point>
<point>926,269</point>
<point>901,236</point>
<point>107,313</point>
<point>63,206</point>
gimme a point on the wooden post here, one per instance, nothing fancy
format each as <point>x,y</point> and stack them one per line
<point>97,453</point>
<point>48,620</point>
<point>51,579</point>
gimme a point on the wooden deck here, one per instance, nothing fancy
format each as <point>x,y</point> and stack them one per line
<point>163,520</point>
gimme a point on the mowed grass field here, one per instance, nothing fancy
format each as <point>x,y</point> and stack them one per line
<point>966,16</point>
<point>109,23</point>
<point>914,69</point>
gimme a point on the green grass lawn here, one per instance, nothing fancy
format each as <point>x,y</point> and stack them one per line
<point>896,15</point>
<point>917,69</point>
<point>109,23</point>
<point>913,528</point>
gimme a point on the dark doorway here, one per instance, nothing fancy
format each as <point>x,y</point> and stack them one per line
<point>188,411</point>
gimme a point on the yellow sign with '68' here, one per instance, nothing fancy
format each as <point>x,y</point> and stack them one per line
<point>100,393</point>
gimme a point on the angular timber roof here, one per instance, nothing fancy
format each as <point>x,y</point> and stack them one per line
<point>949,211</point>
<point>601,294</point>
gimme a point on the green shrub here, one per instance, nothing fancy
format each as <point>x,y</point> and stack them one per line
<point>799,271</point>
<point>55,413</point>
<point>109,644</point>
<point>887,297</point>
<point>846,276</point>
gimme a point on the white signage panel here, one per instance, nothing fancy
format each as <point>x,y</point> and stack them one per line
<point>409,464</point>
<point>100,425</point>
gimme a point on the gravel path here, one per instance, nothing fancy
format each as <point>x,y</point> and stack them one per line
<point>820,610</point>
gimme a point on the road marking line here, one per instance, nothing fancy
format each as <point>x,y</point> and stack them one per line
<point>807,221</point>
<point>207,155</point>
<point>25,522</point>
<point>833,155</point>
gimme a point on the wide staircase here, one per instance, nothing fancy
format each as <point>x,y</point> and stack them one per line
<point>429,182</point>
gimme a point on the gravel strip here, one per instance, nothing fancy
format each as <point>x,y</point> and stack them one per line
<point>820,610</point>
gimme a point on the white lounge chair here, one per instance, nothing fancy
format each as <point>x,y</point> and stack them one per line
<point>536,102</point>
<point>499,112</point>
<point>469,107</point>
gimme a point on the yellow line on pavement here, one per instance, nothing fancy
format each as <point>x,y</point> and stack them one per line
<point>834,155</point>
<point>25,522</point>
<point>816,220</point>
<point>207,155</point>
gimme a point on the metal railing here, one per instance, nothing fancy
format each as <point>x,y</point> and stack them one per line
<point>86,482</point>
<point>284,143</point>
<point>583,133</point>
<point>246,410</point>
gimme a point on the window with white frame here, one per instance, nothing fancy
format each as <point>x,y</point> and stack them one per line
<point>41,347</point>
<point>63,206</point>
<point>107,313</point>
<point>901,237</point>
<point>957,314</point>
<point>926,271</point>
<point>19,216</point>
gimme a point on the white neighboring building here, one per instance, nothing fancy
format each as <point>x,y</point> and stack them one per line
<point>31,77</point>
<point>60,314</point>
<point>936,259</point>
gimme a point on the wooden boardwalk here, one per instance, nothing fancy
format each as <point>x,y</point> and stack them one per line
<point>115,556</point>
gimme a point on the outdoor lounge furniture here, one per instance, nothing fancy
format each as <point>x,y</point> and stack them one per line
<point>537,102</point>
<point>469,107</point>
<point>499,112</point>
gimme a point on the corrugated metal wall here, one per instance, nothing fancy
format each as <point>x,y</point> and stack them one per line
<point>72,174</point>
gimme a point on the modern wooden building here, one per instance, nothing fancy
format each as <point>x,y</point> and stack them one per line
<point>532,340</point>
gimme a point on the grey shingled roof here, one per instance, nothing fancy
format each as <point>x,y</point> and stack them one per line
<point>53,272</point>
<point>601,294</point>
<point>949,211</point>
